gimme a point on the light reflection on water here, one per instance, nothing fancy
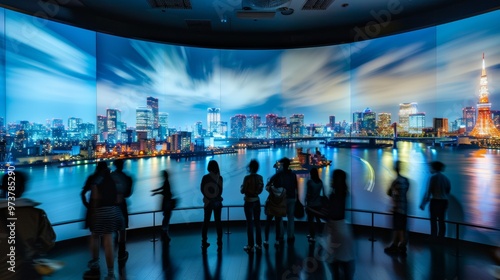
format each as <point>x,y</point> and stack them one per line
<point>473,175</point>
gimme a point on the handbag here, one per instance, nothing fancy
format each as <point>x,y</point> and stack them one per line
<point>299,209</point>
<point>275,205</point>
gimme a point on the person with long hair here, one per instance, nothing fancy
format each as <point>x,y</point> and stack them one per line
<point>211,189</point>
<point>252,186</point>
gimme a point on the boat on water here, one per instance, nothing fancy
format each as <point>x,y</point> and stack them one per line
<point>303,162</point>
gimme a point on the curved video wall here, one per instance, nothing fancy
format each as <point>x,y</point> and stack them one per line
<point>72,96</point>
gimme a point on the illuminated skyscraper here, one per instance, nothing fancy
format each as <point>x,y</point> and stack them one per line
<point>253,122</point>
<point>163,125</point>
<point>405,109</point>
<point>469,118</point>
<point>296,125</point>
<point>384,120</point>
<point>113,119</point>
<point>369,120</point>
<point>198,130</point>
<point>57,123</point>
<point>238,126</point>
<point>144,121</point>
<point>213,120</point>
<point>331,122</point>
<point>181,141</point>
<point>484,125</point>
<point>440,125</point>
<point>271,120</point>
<point>153,105</point>
<point>416,122</point>
<point>357,121</point>
<point>73,124</point>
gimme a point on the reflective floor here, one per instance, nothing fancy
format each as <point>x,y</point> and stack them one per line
<point>183,258</point>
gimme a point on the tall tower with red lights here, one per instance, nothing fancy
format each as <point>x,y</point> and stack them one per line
<point>484,127</point>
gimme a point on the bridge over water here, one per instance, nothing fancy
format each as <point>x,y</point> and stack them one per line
<point>370,140</point>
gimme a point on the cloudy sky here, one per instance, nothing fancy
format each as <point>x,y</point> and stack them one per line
<point>57,71</point>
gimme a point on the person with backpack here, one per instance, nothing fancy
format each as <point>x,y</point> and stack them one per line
<point>252,186</point>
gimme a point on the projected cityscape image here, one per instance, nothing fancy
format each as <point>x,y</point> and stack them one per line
<point>73,97</point>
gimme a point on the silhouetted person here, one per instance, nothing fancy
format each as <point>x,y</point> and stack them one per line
<point>313,202</point>
<point>437,192</point>
<point>252,186</point>
<point>397,191</point>
<point>286,179</point>
<point>104,217</point>
<point>275,208</point>
<point>211,188</point>
<point>339,238</point>
<point>31,230</point>
<point>167,205</point>
<point>123,183</point>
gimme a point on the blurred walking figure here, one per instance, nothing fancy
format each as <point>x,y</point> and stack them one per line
<point>211,188</point>
<point>397,191</point>
<point>313,203</point>
<point>252,186</point>
<point>33,232</point>
<point>437,193</point>
<point>104,217</point>
<point>339,234</point>
<point>167,205</point>
<point>123,183</point>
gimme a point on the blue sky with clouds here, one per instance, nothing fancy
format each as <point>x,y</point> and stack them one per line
<point>58,71</point>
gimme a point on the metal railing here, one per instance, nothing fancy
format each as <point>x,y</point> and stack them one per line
<point>371,212</point>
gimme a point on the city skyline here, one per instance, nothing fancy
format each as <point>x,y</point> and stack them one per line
<point>83,73</point>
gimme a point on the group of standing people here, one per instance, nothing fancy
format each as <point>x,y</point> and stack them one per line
<point>283,194</point>
<point>107,210</point>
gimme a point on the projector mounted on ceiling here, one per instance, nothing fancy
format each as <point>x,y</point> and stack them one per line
<point>261,9</point>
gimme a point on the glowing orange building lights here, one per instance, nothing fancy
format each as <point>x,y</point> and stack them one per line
<point>484,127</point>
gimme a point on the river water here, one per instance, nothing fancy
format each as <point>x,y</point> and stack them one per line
<point>473,174</point>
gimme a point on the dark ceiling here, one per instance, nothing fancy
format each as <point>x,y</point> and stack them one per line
<point>252,24</point>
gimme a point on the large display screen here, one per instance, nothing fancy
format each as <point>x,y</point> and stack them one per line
<point>71,97</point>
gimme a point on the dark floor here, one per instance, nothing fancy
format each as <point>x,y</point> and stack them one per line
<point>183,259</point>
